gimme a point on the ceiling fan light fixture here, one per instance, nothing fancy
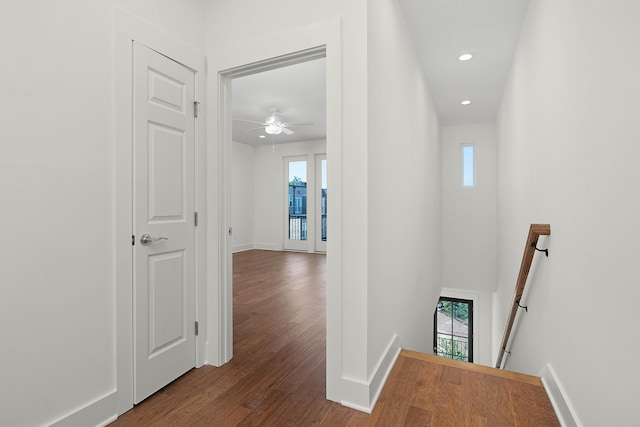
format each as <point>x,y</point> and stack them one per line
<point>273,129</point>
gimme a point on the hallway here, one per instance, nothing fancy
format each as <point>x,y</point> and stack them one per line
<point>277,375</point>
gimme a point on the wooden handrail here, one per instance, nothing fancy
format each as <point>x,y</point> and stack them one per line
<point>535,231</point>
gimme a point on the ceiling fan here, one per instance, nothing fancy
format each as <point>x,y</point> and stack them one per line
<point>273,124</point>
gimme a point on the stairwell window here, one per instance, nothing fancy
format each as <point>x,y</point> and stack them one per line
<point>468,165</point>
<point>453,329</point>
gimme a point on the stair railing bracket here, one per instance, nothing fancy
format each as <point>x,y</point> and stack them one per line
<point>546,251</point>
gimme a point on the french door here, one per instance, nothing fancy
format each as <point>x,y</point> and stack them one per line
<point>305,210</point>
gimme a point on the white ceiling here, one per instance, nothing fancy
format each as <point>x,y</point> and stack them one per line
<point>441,30</point>
<point>298,91</point>
<point>444,29</point>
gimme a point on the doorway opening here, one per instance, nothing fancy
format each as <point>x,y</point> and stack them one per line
<point>278,129</point>
<point>253,167</point>
<point>301,45</point>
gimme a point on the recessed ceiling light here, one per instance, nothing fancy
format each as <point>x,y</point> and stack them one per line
<point>465,57</point>
<point>465,102</point>
<point>262,136</point>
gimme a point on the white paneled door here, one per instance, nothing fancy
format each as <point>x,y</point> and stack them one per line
<point>163,217</point>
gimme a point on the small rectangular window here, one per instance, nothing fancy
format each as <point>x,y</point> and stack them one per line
<point>468,172</point>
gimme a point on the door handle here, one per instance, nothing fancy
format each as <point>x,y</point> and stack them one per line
<point>146,239</point>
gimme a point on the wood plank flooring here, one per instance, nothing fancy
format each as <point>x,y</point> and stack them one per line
<point>425,390</point>
<point>277,375</point>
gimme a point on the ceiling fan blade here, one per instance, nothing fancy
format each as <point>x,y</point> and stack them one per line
<point>250,121</point>
<point>297,123</point>
<point>255,129</point>
<point>287,131</point>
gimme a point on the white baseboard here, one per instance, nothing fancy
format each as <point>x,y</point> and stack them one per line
<point>98,413</point>
<point>243,248</point>
<point>260,246</point>
<point>557,395</point>
<point>268,246</point>
<point>383,369</point>
<point>363,396</point>
<point>355,394</point>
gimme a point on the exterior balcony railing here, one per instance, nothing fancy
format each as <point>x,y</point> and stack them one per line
<point>453,348</point>
<point>323,227</point>
<point>297,227</point>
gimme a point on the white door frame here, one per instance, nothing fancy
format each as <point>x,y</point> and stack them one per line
<point>271,51</point>
<point>129,28</point>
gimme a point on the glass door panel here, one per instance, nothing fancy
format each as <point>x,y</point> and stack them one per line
<point>296,217</point>
<point>321,198</point>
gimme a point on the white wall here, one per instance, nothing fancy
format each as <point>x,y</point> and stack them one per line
<point>57,308</point>
<point>404,188</point>
<point>469,213</point>
<point>568,137</point>
<point>243,196</point>
<point>469,224</point>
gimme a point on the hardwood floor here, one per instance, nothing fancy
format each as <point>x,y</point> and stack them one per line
<point>277,375</point>
<point>426,390</point>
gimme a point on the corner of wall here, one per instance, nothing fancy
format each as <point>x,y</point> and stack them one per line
<point>558,396</point>
<point>243,248</point>
<point>363,396</point>
<point>355,394</point>
<point>267,246</point>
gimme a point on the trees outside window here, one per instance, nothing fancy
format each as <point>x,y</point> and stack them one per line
<point>453,329</point>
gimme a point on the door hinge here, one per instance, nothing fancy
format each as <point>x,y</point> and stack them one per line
<point>196,109</point>
<point>133,240</point>
<point>196,328</point>
<point>195,219</point>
